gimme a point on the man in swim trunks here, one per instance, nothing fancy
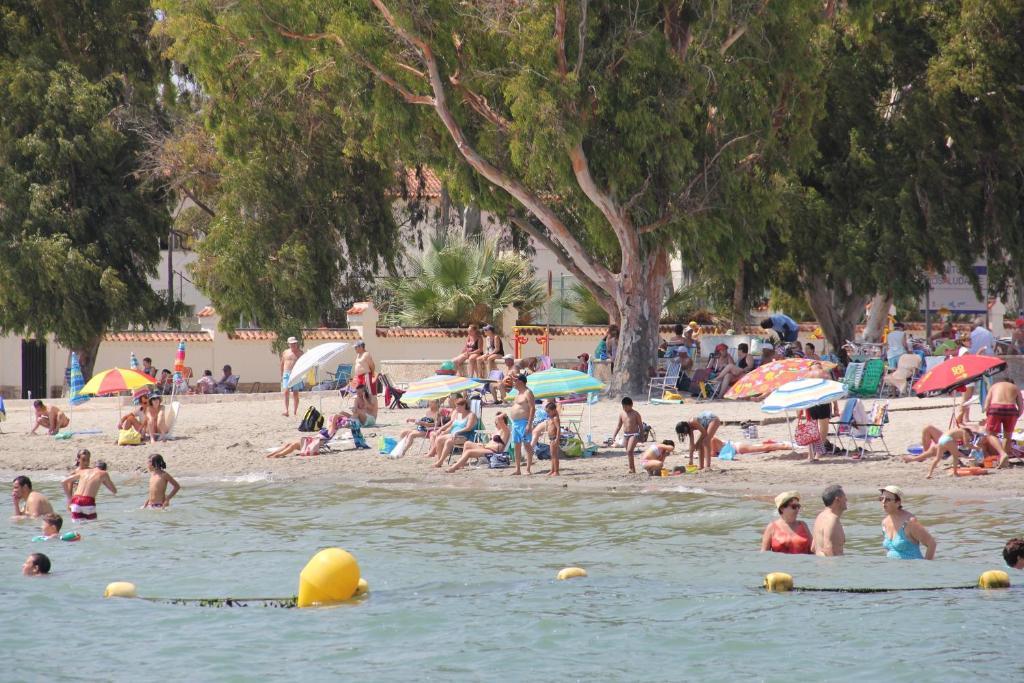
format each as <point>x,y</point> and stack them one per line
<point>288,358</point>
<point>1003,407</point>
<point>521,414</point>
<point>82,504</point>
<point>364,368</point>
<point>829,537</point>
<point>50,417</point>
<point>28,503</point>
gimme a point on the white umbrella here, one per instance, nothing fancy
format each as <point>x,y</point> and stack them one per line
<point>312,360</point>
<point>802,393</point>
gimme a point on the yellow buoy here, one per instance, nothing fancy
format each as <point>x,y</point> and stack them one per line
<point>778,582</point>
<point>120,589</point>
<point>994,578</point>
<point>571,573</point>
<point>331,576</point>
<point>362,588</point>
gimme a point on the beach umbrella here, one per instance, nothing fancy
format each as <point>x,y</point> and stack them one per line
<point>116,380</point>
<point>560,382</point>
<point>769,377</point>
<point>437,387</point>
<point>803,393</point>
<point>179,364</point>
<point>76,382</point>
<point>310,362</point>
<point>957,372</point>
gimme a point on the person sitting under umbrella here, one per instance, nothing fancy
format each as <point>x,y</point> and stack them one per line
<point>498,443</point>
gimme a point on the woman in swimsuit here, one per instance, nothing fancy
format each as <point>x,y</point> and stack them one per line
<point>787,534</point>
<point>902,534</point>
<point>471,352</point>
<point>457,431</point>
<point>494,351</point>
<point>426,425</point>
<point>705,425</point>
<point>498,443</point>
<point>137,418</point>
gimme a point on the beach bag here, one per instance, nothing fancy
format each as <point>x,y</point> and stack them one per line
<point>574,448</point>
<point>542,451</point>
<point>498,461</point>
<point>646,432</point>
<point>312,421</point>
<point>728,452</point>
<point>388,445</point>
<point>400,448</point>
<point>683,383</point>
<point>128,437</point>
<point>806,432</point>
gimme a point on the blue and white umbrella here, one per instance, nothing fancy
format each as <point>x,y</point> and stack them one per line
<point>76,382</point>
<point>803,393</point>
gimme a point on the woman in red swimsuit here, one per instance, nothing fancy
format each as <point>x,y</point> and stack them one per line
<point>786,534</point>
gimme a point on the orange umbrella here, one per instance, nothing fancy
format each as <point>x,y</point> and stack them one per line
<point>767,378</point>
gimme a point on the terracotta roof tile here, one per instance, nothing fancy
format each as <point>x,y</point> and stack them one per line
<point>319,333</point>
<point>206,312</point>
<point>420,332</point>
<point>426,183</point>
<point>171,336</point>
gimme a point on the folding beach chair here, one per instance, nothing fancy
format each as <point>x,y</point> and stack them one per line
<point>392,394</point>
<point>666,379</point>
<point>850,424</point>
<point>871,381</point>
<point>873,429</point>
<point>852,378</point>
<point>571,417</point>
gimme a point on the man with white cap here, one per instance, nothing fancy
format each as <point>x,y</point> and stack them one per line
<point>288,358</point>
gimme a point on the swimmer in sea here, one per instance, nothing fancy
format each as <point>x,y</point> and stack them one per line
<point>1013,553</point>
<point>36,564</point>
<point>82,504</point>
<point>631,424</point>
<point>655,455</point>
<point>52,524</point>
<point>28,503</point>
<point>159,480</point>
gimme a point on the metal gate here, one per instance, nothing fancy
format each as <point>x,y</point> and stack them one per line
<point>33,368</point>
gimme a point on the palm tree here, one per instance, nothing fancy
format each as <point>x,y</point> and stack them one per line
<point>457,282</point>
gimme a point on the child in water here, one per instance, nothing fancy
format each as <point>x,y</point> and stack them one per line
<point>51,530</point>
<point>158,482</point>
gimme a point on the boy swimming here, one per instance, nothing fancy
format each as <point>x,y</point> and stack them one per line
<point>51,530</point>
<point>159,480</point>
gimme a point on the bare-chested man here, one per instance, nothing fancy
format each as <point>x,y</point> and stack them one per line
<point>50,417</point>
<point>1003,407</point>
<point>364,368</point>
<point>521,415</point>
<point>28,503</point>
<point>82,504</point>
<point>829,536</point>
<point>288,358</point>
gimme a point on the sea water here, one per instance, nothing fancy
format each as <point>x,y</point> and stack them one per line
<point>463,588</point>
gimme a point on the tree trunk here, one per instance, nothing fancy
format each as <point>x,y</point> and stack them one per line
<point>471,226</point>
<point>880,304</point>
<point>739,308</point>
<point>87,356</point>
<point>638,300</point>
<point>837,311</point>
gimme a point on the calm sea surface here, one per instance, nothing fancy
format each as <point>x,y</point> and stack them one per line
<point>462,588</point>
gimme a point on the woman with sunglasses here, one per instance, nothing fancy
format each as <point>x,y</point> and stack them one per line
<point>787,534</point>
<point>902,534</point>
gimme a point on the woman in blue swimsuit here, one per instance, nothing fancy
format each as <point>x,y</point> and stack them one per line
<point>902,534</point>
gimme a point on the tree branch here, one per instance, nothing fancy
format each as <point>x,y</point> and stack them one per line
<point>628,238</point>
<point>582,31</point>
<point>195,200</point>
<point>740,30</point>
<point>563,65</point>
<point>599,293</point>
<point>559,231</point>
<point>476,102</point>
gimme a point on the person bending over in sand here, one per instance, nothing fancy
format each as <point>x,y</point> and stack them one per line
<point>631,424</point>
<point>498,443</point>
<point>1003,407</point>
<point>1013,553</point>
<point>521,414</point>
<point>159,480</point>
<point>82,504</point>
<point>36,564</point>
<point>654,456</point>
<point>50,417</point>
<point>829,535</point>
<point>705,425</point>
<point>28,503</point>
<point>947,445</point>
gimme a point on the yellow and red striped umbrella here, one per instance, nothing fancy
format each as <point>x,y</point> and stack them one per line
<point>116,380</point>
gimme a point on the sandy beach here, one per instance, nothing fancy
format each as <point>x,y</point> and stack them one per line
<point>229,437</point>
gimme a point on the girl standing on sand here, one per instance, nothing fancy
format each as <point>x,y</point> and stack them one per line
<point>159,480</point>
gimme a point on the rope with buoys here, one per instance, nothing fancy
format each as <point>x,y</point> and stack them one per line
<point>780,582</point>
<point>330,577</point>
